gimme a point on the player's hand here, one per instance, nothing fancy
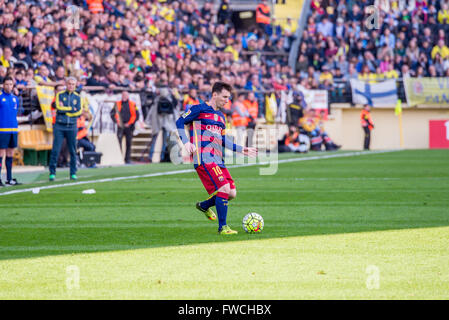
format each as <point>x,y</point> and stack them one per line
<point>190,147</point>
<point>250,152</point>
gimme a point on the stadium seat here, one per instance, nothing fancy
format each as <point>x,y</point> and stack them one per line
<point>34,140</point>
<point>35,146</point>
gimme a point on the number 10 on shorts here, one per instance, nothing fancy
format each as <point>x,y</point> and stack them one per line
<point>217,171</point>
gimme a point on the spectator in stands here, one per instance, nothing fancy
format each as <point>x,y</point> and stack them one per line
<point>388,38</point>
<point>253,84</point>
<point>316,5</point>
<point>440,49</point>
<point>190,99</point>
<point>42,78</point>
<point>443,14</point>
<point>325,27</point>
<point>95,6</point>
<point>326,75</point>
<point>340,29</point>
<point>352,72</point>
<point>412,50</point>
<point>391,73</point>
<point>302,64</point>
<point>19,76</point>
<point>263,15</point>
<point>405,70</point>
<point>3,72</point>
<point>339,85</point>
<point>224,13</point>
<point>367,75</point>
<point>7,60</point>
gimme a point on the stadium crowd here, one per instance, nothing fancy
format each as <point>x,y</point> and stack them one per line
<point>140,44</point>
<point>148,44</point>
<point>343,40</point>
<point>136,44</point>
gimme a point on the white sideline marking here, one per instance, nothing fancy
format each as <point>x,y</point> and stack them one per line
<point>167,173</point>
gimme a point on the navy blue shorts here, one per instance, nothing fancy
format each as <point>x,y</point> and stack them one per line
<point>8,140</point>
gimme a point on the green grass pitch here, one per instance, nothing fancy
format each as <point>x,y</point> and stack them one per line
<point>372,226</point>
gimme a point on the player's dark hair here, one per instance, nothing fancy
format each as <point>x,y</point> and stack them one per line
<point>219,86</point>
<point>8,78</point>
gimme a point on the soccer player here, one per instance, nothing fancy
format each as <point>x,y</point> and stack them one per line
<point>207,139</point>
<point>8,129</point>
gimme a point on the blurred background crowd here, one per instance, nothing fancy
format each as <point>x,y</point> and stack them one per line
<point>346,39</point>
<point>140,44</point>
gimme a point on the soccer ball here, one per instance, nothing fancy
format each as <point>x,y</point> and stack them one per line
<point>252,223</point>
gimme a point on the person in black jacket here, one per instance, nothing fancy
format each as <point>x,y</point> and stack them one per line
<point>295,109</point>
<point>224,13</point>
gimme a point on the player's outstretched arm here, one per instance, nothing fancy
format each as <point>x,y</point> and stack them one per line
<point>250,152</point>
<point>228,143</point>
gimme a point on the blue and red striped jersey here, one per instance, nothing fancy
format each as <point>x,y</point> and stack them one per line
<point>207,132</point>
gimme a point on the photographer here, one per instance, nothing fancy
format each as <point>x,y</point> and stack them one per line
<point>291,142</point>
<point>161,118</point>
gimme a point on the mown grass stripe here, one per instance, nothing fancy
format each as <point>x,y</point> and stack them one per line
<point>167,173</point>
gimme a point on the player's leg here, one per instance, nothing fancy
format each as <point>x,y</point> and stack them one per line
<point>221,204</point>
<point>211,187</point>
<point>232,194</point>
<point>226,192</point>
<point>8,160</point>
<point>8,163</point>
<point>217,176</point>
<point>2,155</point>
<point>228,177</point>
<point>215,181</point>
<point>209,202</point>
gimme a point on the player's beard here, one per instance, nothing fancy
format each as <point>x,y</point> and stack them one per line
<point>220,106</point>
